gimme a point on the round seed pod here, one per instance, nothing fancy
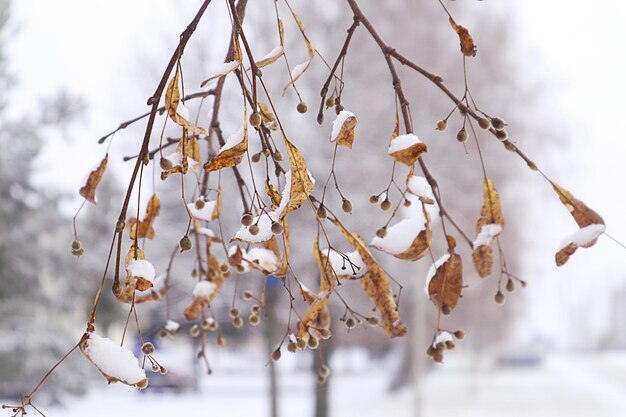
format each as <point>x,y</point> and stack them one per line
<point>205,324</point>
<point>185,243</point>
<point>386,204</point>
<point>199,204</point>
<point>163,370</point>
<point>313,343</point>
<point>253,229</point>
<point>510,285</point>
<point>247,295</point>
<point>240,269</point>
<point>234,312</point>
<point>143,384</point>
<point>221,341</point>
<point>155,367</point>
<point>430,352</point>
<point>440,347</point>
<point>498,123</point>
<point>372,321</point>
<point>255,309</point>
<point>324,371</point>
<point>300,343</point>
<point>292,347</point>
<point>338,108</point>
<point>499,298</point>
<point>119,226</point>
<point>278,156</point>
<point>373,199</point>
<point>194,331</point>
<point>247,219</point>
<point>80,252</point>
<point>165,164</point>
<point>277,228</point>
<point>325,334</point>
<point>346,205</point>
<point>350,323</point>
<point>321,212</point>
<point>445,309</point>
<point>237,322</point>
<point>255,119</point>
<point>224,267</point>
<point>276,355</point>
<point>407,203</point>
<point>450,344</point>
<point>442,125</point>
<point>254,319</point>
<point>256,157</point>
<point>147,348</point>
<point>484,123</point>
<point>462,136</point>
<point>438,356</point>
<point>330,102</point>
<point>213,325</point>
<point>76,245</point>
<point>302,107</point>
<point>502,135</point>
<point>321,380</point>
<point>382,232</point>
<point>459,334</point>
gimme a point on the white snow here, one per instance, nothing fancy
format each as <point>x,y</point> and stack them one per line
<point>433,270</point>
<point>443,337</point>
<point>584,235</point>
<point>418,186</point>
<point>233,140</point>
<point>266,258</point>
<point>338,123</point>
<point>342,267</point>
<point>204,289</point>
<point>400,236</point>
<point>223,69</point>
<point>299,69</point>
<point>172,326</point>
<point>205,213</point>
<point>177,159</point>
<point>487,233</point>
<point>141,268</point>
<point>205,231</point>
<point>114,360</point>
<point>403,142</point>
<point>273,53</point>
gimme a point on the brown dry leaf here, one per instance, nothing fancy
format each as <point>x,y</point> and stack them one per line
<point>187,148</point>
<point>88,191</point>
<point>444,289</point>
<point>215,276</point>
<point>236,258</point>
<point>315,318</point>
<point>134,252</point>
<point>273,194</point>
<point>583,215</point>
<point>491,212</point>
<point>276,52</point>
<point>232,156</point>
<point>563,255</point>
<point>420,245</point>
<point>468,47</point>
<point>375,282</point>
<point>268,117</point>
<point>283,267</point>
<point>218,205</point>
<point>299,69</point>
<point>409,154</point>
<point>172,101</point>
<point>346,134</point>
<point>144,229</point>
<point>483,260</point>
<point>327,275</point>
<point>301,183</point>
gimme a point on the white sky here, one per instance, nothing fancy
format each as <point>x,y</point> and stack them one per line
<point>87,46</point>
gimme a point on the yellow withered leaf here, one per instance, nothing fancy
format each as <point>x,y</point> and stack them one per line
<point>205,291</point>
<point>134,252</point>
<point>299,69</point>
<point>445,286</point>
<point>144,229</point>
<point>483,260</point>
<point>275,53</point>
<point>343,129</point>
<point>231,153</point>
<point>269,120</point>
<point>224,69</point>
<point>273,194</point>
<point>283,267</point>
<point>327,275</point>
<point>585,237</point>
<point>187,157</point>
<point>301,184</point>
<point>316,317</point>
<point>88,191</point>
<point>406,148</point>
<point>174,106</point>
<point>489,225</point>
<point>583,215</point>
<point>491,211</point>
<point>468,47</point>
<point>375,282</point>
<point>419,246</point>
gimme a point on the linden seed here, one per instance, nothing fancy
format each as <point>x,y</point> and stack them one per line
<point>461,136</point>
<point>302,107</point>
<point>76,245</point>
<point>185,244</point>
<point>300,343</point>
<point>313,343</point>
<point>431,351</point>
<point>143,384</point>
<point>266,152</point>
<point>524,284</point>
<point>255,309</point>
<point>441,125</point>
<point>502,135</point>
<point>278,156</point>
<point>237,322</point>
<point>321,380</point>
<point>240,268</point>
<point>254,319</point>
<point>438,357</point>
<point>499,298</point>
<point>233,313</point>
<point>325,334</point>
<point>484,123</point>
<point>324,371</point>
<point>498,123</point>
<point>440,347</point>
<point>213,325</point>
<point>255,119</point>
<point>163,370</point>
<point>194,331</point>
<point>407,203</point>
<point>459,334</point>
<point>350,323</point>
<point>247,295</point>
<point>330,102</point>
<point>292,347</point>
<point>119,226</point>
<point>276,355</point>
<point>254,229</point>
<point>373,199</point>
<point>372,321</point>
<point>321,212</point>
<point>382,232</point>
<point>147,348</point>
<point>346,205</point>
<point>165,164</point>
<point>199,204</point>
<point>221,341</point>
<point>205,324</point>
<point>386,204</point>
<point>510,285</point>
<point>338,108</point>
<point>277,228</point>
<point>224,267</point>
<point>256,157</point>
<point>155,367</point>
<point>509,147</point>
<point>450,344</point>
<point>80,252</point>
<point>247,219</point>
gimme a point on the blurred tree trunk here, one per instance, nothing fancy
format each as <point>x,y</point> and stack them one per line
<point>322,391</point>
<point>270,333</point>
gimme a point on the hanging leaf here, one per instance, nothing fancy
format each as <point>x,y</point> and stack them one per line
<point>88,191</point>
<point>409,239</point>
<point>176,110</point>
<point>406,148</point>
<point>343,129</point>
<point>316,317</point>
<point>327,275</point>
<point>205,291</point>
<point>468,47</point>
<point>445,281</point>
<point>301,183</point>
<point>144,229</point>
<point>482,256</point>
<point>583,238</point>
<point>275,53</point>
<point>488,227</point>
<point>231,153</point>
<point>299,69</point>
<point>375,282</point>
<point>186,157</point>
<point>283,267</point>
<point>491,212</point>
<point>224,69</point>
<point>583,215</point>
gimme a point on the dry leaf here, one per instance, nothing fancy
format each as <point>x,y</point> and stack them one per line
<point>343,129</point>
<point>483,260</point>
<point>419,246</point>
<point>299,69</point>
<point>489,226</point>
<point>231,153</point>
<point>205,291</point>
<point>468,47</point>
<point>284,262</point>
<point>405,148</point>
<point>186,158</point>
<point>491,212</point>
<point>327,275</point>
<point>375,282</point>
<point>225,69</point>
<point>175,107</point>
<point>583,238</point>
<point>316,317</point>
<point>583,215</point>
<point>444,288</point>
<point>88,191</point>
<point>301,182</point>
<point>144,229</point>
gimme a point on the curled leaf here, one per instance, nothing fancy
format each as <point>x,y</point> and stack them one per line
<point>406,148</point>
<point>468,47</point>
<point>343,129</point>
<point>300,183</point>
<point>444,281</point>
<point>316,317</point>
<point>583,238</point>
<point>231,153</point>
<point>88,191</point>
<point>144,229</point>
<point>224,69</point>
<point>409,239</point>
<point>176,110</point>
<point>583,215</point>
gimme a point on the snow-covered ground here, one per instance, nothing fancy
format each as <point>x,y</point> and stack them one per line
<point>572,385</point>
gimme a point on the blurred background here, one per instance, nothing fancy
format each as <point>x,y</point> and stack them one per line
<point>71,71</point>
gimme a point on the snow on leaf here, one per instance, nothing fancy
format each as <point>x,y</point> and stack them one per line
<point>142,271</point>
<point>186,157</point>
<point>144,229</point>
<point>316,317</point>
<point>445,285</point>
<point>206,213</point>
<point>343,129</point>
<point>262,259</point>
<point>299,69</point>
<point>224,69</point>
<point>409,239</point>
<point>231,153</point>
<point>583,215</point>
<point>115,362</point>
<point>583,238</point>
<point>88,191</point>
<point>406,148</point>
<point>418,186</point>
<point>271,57</point>
<point>300,183</point>
<point>482,255</point>
<point>172,101</point>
